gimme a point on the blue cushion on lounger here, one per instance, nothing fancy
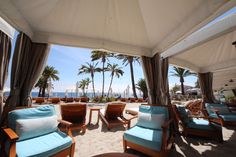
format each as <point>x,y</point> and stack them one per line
<point>43,146</point>
<point>202,124</point>
<point>145,137</point>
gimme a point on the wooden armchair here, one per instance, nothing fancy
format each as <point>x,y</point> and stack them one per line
<point>84,99</point>
<point>200,126</point>
<point>39,100</point>
<point>77,99</point>
<point>69,100</point>
<point>220,113</point>
<point>37,135</point>
<point>151,137</point>
<point>55,100</point>
<point>76,114</point>
<point>112,115</point>
<point>132,100</point>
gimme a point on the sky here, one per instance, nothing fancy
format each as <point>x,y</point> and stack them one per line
<point>67,60</point>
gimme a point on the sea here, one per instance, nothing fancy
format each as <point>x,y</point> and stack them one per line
<point>68,94</point>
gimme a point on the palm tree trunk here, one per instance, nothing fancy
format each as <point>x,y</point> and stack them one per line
<point>44,88</point>
<point>132,78</point>
<point>110,86</point>
<point>93,87</point>
<point>40,91</point>
<point>43,92</point>
<point>182,85</point>
<point>103,78</point>
<point>83,91</point>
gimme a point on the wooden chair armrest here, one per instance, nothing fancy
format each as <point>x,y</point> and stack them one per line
<point>64,122</point>
<point>166,124</point>
<point>68,125</point>
<point>129,119</point>
<point>11,135</point>
<point>164,135</point>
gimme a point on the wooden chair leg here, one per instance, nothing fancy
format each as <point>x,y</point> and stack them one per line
<point>72,150</point>
<point>83,129</point>
<point>220,138</point>
<point>124,145</point>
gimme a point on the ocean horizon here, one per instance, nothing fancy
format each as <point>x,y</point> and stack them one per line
<point>74,94</point>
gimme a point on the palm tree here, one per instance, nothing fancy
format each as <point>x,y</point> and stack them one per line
<point>115,71</point>
<point>83,84</point>
<point>197,85</point>
<point>90,68</point>
<point>181,73</point>
<point>48,73</point>
<point>130,60</point>
<point>39,85</point>
<point>103,55</point>
<point>141,85</point>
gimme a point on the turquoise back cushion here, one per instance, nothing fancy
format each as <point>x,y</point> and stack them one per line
<point>154,110</point>
<point>184,113</point>
<point>210,107</point>
<point>33,122</point>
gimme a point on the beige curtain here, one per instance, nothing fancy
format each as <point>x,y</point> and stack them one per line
<point>152,72</point>
<point>28,62</point>
<point>5,54</point>
<point>205,81</point>
<point>165,81</point>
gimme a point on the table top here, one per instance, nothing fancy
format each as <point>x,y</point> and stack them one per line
<point>95,108</point>
<point>115,155</point>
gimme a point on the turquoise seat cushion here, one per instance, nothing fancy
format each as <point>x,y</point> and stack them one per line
<point>43,146</point>
<point>154,110</point>
<point>145,137</point>
<point>33,122</point>
<point>202,124</point>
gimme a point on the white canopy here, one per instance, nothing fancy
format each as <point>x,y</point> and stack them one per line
<point>138,27</point>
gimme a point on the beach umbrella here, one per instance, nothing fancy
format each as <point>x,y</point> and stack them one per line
<point>66,93</point>
<point>77,88</point>
<point>49,88</point>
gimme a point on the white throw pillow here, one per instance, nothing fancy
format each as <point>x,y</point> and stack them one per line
<point>152,121</point>
<point>28,128</point>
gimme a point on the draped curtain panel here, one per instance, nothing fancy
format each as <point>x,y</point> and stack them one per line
<point>165,81</point>
<point>234,91</point>
<point>152,72</point>
<point>5,55</point>
<point>28,62</point>
<point>205,81</point>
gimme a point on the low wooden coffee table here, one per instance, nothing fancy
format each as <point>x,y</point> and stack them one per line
<point>115,155</point>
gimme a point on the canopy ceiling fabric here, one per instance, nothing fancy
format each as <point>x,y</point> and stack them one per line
<point>136,27</point>
<point>217,56</point>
